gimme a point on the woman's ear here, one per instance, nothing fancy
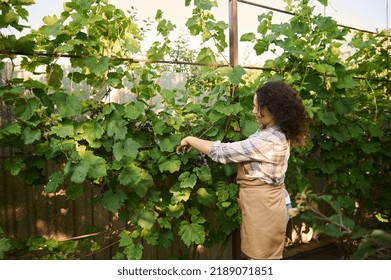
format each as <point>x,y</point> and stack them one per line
<point>260,112</point>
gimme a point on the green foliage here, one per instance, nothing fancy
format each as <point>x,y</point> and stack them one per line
<point>376,245</point>
<point>128,149</point>
<point>5,245</point>
<point>40,248</point>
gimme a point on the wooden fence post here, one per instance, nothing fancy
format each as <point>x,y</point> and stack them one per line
<point>233,56</point>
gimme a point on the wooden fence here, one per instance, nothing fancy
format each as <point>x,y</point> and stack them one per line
<point>27,211</point>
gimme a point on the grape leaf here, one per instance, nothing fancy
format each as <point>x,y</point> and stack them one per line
<point>146,219</point>
<point>134,110</point>
<point>132,251</point>
<point>170,165</point>
<point>165,238</point>
<point>204,173</point>
<point>55,179</point>
<point>67,105</point>
<point>98,66</point>
<point>29,135</point>
<point>238,72</point>
<point>74,192</point>
<point>137,178</point>
<point>328,118</point>
<point>175,210</point>
<point>91,132</point>
<point>112,200</point>
<point>117,128</point>
<point>79,174</point>
<point>97,165</point>
<point>25,110</point>
<point>56,74</point>
<point>190,233</point>
<point>63,130</point>
<point>168,144</point>
<point>128,148</point>
<point>205,197</point>
<point>247,37</point>
<point>14,166</point>
<point>182,195</point>
<point>5,246</point>
<point>188,181</point>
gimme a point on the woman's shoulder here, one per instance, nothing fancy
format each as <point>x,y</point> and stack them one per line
<point>272,134</point>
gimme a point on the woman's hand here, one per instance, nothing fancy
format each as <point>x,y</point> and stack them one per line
<point>189,142</point>
<point>184,145</point>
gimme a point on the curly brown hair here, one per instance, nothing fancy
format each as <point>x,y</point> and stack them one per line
<point>286,107</point>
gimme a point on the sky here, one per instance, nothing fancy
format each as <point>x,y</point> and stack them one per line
<point>368,15</point>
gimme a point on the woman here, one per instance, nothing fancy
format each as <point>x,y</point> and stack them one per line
<point>262,163</point>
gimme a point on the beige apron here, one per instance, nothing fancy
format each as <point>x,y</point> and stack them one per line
<point>264,218</point>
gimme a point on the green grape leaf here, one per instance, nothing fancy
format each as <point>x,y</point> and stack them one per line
<point>13,128</point>
<point>190,233</point>
<point>80,172</point>
<point>112,201</point>
<point>134,110</point>
<point>187,180</point>
<point>328,118</point>
<point>146,219</point>
<point>204,173</point>
<point>63,130</point>
<point>370,147</point>
<point>55,75</point>
<point>128,148</point>
<point>158,127</point>
<point>25,109</point>
<point>181,195</point>
<point>330,230</point>
<point>132,251</point>
<point>164,223</point>
<point>168,144</point>
<point>117,128</point>
<point>14,166</point>
<point>53,26</point>
<point>175,210</point>
<point>247,37</point>
<point>171,165</point>
<point>205,196</point>
<point>97,165</point>
<point>67,105</point>
<point>207,56</point>
<point>55,179</point>
<point>5,246</point>
<point>92,131</point>
<point>238,72</point>
<point>137,178</point>
<point>132,45</point>
<point>29,135</point>
<point>74,192</point>
<point>165,238</point>
<point>343,106</point>
<point>98,66</point>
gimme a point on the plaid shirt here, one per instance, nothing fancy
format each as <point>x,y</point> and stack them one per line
<point>264,154</point>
